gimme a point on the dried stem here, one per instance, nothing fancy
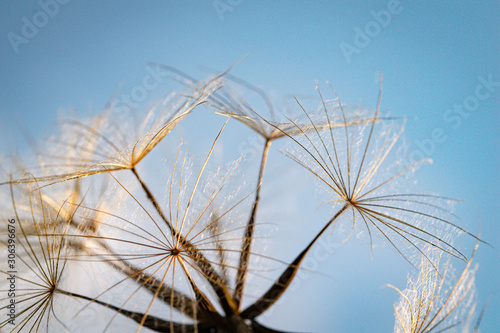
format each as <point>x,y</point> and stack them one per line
<point>284,281</point>
<point>249,230</point>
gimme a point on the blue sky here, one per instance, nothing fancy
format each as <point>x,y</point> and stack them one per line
<point>435,58</point>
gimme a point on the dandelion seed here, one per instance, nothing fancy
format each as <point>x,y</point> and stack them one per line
<point>431,302</point>
<point>356,183</point>
<point>39,264</point>
<point>104,146</point>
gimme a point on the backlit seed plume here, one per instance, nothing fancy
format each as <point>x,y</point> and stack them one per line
<point>38,263</point>
<point>437,301</point>
<point>103,145</point>
<point>358,166</point>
